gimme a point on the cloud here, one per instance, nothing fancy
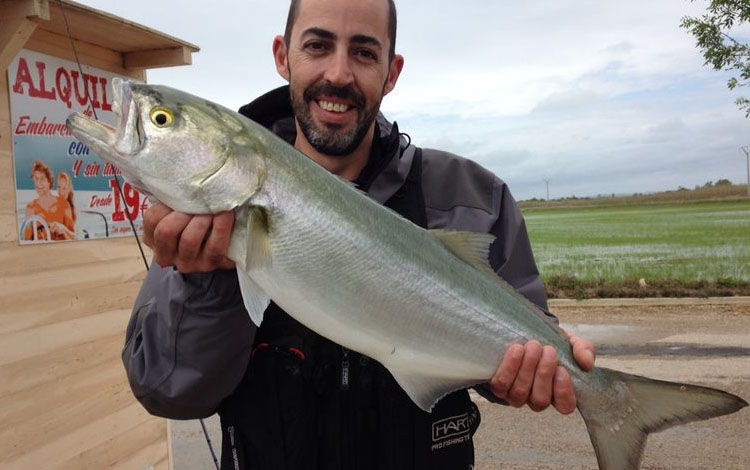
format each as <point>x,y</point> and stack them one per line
<point>598,97</point>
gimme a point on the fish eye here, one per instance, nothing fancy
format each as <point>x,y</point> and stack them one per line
<point>161,117</point>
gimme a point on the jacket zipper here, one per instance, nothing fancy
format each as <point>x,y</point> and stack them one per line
<point>344,369</point>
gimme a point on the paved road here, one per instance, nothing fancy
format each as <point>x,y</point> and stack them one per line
<point>700,342</point>
<point>705,341</point>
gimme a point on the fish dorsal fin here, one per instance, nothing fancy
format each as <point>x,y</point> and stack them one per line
<point>472,247</point>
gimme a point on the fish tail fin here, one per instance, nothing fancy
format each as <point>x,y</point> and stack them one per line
<point>621,410</point>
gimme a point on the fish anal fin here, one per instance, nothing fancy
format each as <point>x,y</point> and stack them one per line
<point>254,297</point>
<point>472,247</point>
<point>425,391</point>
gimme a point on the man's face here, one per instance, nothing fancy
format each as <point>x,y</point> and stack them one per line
<point>338,69</point>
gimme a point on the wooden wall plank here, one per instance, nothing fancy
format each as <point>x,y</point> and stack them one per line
<point>24,344</point>
<point>138,448</point>
<point>80,440</point>
<point>72,400</point>
<point>53,279</point>
<point>14,32</point>
<point>74,253</point>
<point>158,58</point>
<point>51,368</point>
<point>82,301</point>
<point>58,45</point>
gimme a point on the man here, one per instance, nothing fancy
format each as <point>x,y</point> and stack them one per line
<point>287,397</point>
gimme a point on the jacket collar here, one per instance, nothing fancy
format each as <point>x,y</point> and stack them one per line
<point>389,165</point>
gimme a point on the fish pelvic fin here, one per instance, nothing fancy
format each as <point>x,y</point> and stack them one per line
<point>621,410</point>
<point>254,256</point>
<point>253,296</point>
<point>259,246</point>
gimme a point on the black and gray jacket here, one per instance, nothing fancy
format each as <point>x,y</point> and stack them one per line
<point>288,398</point>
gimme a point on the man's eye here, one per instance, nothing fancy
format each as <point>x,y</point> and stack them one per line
<point>315,46</point>
<point>366,54</point>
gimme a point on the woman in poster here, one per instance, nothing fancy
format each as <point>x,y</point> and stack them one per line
<point>54,210</point>
<point>65,191</point>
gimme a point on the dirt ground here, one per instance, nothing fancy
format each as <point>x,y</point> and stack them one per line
<point>700,341</point>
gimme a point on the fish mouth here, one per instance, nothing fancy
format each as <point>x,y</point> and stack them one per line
<point>112,143</point>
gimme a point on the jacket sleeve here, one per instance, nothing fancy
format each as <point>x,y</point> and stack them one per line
<point>187,343</point>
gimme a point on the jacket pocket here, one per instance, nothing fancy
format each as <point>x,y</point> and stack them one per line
<point>272,411</point>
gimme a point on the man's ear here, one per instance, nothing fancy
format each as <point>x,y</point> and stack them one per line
<point>280,56</point>
<point>397,64</point>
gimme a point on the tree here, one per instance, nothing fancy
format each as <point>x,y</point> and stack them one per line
<point>722,51</point>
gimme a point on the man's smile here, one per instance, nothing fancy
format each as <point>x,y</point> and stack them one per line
<point>333,107</point>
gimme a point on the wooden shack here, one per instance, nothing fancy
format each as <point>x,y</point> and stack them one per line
<point>64,306</point>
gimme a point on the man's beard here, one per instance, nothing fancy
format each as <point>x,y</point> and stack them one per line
<point>332,139</point>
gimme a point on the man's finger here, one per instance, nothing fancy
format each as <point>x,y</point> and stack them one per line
<point>563,395</point>
<point>519,392</point>
<point>167,236</point>
<point>151,219</point>
<point>503,379</point>
<point>191,243</point>
<point>541,392</point>
<point>583,352</point>
<point>217,243</point>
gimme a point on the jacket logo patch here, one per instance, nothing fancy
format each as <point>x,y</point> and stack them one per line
<point>451,431</point>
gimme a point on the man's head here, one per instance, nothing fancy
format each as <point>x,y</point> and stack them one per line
<point>338,58</point>
<point>392,24</point>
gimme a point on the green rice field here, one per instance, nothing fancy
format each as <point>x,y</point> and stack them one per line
<point>705,241</point>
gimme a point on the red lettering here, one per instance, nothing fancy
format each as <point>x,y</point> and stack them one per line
<point>92,169</point>
<point>63,87</point>
<point>21,126</point>
<point>94,90</point>
<point>43,91</point>
<point>106,106</point>
<point>77,167</point>
<point>110,170</point>
<point>24,76</point>
<point>97,201</point>
<point>81,98</point>
<point>68,83</point>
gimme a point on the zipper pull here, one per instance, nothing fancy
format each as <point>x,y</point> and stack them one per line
<point>344,369</point>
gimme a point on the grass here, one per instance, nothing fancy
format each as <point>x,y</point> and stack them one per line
<point>603,250</point>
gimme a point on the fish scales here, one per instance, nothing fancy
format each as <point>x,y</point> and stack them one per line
<point>417,273</point>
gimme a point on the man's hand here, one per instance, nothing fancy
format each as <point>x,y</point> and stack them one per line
<point>530,374</point>
<point>191,243</point>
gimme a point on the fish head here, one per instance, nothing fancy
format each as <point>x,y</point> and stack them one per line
<point>193,155</point>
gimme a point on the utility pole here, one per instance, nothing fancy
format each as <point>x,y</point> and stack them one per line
<point>746,149</point>
<point>547,182</point>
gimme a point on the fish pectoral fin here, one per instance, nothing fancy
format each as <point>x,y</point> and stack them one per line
<point>255,299</point>
<point>472,247</point>
<point>258,255</point>
<point>425,391</point>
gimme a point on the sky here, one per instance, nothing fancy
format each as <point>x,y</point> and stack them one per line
<point>593,96</point>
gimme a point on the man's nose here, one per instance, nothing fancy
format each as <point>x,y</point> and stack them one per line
<point>339,70</point>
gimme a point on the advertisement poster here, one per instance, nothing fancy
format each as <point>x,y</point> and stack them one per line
<point>63,190</point>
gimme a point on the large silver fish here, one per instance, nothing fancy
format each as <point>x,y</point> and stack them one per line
<point>423,303</point>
